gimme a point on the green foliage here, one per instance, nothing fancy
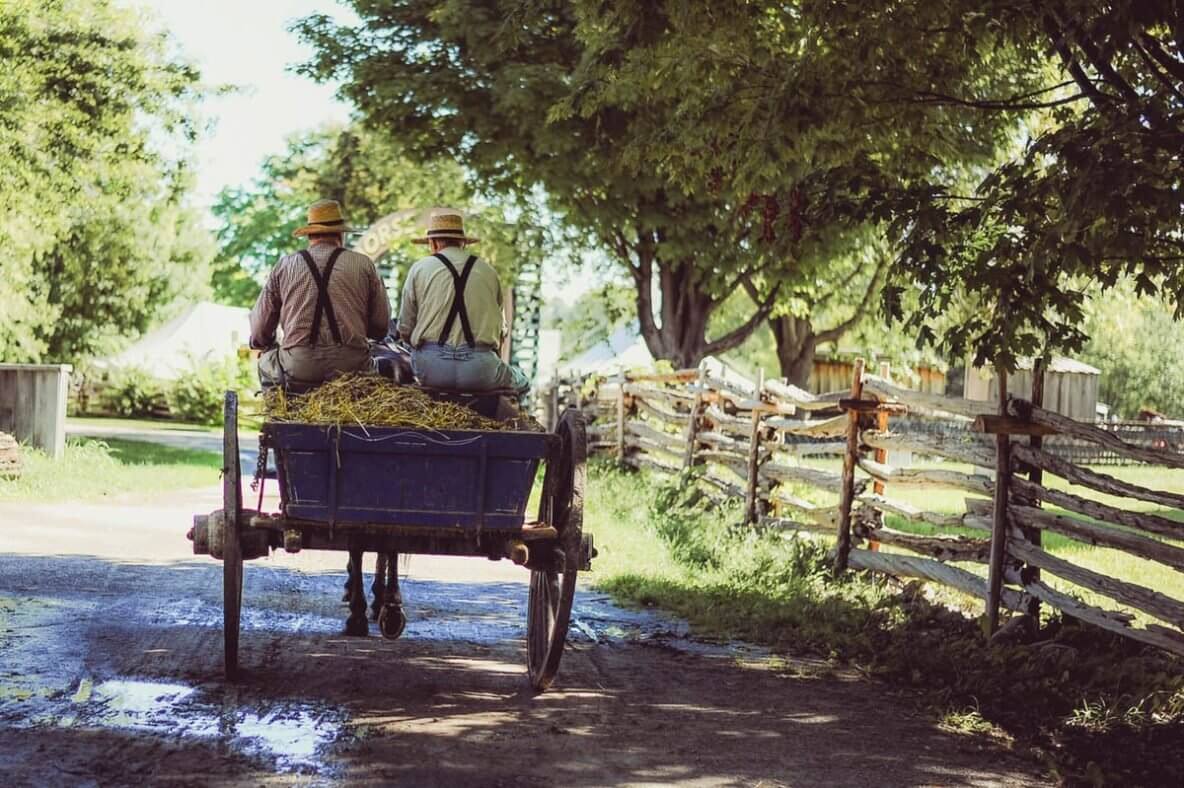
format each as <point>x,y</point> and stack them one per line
<point>470,89</point>
<point>96,233</point>
<point>132,393</point>
<point>198,394</point>
<point>1134,341</point>
<point>754,165</point>
<point>1093,195</point>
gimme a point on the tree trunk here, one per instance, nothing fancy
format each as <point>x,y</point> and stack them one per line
<point>686,307</point>
<point>796,342</point>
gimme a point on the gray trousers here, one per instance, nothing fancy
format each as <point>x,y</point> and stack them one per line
<point>462,368</point>
<point>308,366</point>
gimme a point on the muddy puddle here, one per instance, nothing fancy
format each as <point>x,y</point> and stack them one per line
<point>291,736</point>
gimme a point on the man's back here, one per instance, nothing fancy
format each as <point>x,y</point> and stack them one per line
<point>428,295</point>
<point>290,298</point>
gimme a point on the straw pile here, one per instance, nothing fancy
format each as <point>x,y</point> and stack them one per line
<point>372,401</point>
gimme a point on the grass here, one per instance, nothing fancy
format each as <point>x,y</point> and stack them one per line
<point>140,424</point>
<point>1091,705</point>
<point>250,419</point>
<point>97,469</point>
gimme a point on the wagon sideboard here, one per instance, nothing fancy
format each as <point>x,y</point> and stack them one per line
<point>446,479</point>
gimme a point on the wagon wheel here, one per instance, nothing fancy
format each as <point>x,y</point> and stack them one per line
<point>553,590</point>
<point>232,555</point>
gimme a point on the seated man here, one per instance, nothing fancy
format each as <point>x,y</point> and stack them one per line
<point>451,314</point>
<point>328,300</point>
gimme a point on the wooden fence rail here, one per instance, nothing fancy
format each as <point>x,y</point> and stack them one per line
<point>747,442</point>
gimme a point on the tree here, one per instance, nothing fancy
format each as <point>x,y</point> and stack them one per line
<point>461,79</point>
<point>823,118</point>
<point>653,131</point>
<point>1132,340</point>
<point>1094,195</point>
<point>96,234</point>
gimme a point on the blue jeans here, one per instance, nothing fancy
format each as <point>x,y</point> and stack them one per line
<point>462,368</point>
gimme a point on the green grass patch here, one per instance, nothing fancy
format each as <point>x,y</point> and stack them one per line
<point>109,422</point>
<point>659,548</point>
<point>97,469</point>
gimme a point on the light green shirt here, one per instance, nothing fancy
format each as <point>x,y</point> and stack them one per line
<point>427,299</point>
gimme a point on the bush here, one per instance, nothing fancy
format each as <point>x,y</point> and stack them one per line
<point>198,394</point>
<point>132,393</point>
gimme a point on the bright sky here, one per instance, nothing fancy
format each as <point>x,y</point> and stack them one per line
<point>247,43</point>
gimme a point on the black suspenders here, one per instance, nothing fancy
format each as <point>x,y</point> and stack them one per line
<point>459,281</point>
<point>324,305</point>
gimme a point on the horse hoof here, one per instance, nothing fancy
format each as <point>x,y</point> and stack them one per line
<point>357,627</point>
<point>392,621</point>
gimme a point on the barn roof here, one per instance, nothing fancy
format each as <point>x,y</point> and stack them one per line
<point>1062,364</point>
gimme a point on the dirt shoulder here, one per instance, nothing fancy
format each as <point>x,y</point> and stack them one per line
<point>112,660</point>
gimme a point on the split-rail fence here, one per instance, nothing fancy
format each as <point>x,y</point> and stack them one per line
<point>756,444</point>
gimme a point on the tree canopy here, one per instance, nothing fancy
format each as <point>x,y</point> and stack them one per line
<point>701,165</point>
<point>1093,195</point>
<point>97,236</point>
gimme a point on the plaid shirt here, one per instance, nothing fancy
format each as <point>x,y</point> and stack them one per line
<point>289,301</point>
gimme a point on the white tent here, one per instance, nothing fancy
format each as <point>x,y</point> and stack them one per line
<point>204,333</point>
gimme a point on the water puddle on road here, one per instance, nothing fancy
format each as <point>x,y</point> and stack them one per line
<point>292,734</point>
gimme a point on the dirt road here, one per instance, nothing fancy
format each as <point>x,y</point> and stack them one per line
<point>110,674</point>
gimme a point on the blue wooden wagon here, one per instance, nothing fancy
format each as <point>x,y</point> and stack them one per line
<point>404,490</point>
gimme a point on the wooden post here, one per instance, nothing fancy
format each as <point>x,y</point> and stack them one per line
<point>1035,475</point>
<point>751,515</point>
<point>553,400</point>
<point>847,490</point>
<point>881,454</point>
<point>688,458</point>
<point>621,419</point>
<point>999,526</point>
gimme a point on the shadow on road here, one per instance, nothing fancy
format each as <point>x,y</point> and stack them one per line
<point>112,671</point>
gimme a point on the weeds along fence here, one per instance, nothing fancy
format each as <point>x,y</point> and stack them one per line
<point>832,464</point>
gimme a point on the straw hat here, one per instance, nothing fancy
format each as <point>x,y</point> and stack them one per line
<point>446,223</point>
<point>324,216</point>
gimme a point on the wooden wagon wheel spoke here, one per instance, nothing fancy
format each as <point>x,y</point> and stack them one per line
<point>232,557</point>
<point>552,589</point>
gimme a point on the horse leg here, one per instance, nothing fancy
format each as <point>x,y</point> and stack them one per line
<point>356,624</point>
<point>378,587</point>
<point>349,563</point>
<point>392,619</point>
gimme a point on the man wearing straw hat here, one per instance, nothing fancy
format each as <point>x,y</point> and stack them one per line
<point>451,313</point>
<point>327,299</point>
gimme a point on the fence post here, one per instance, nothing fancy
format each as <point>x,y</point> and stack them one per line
<point>621,418</point>
<point>847,491</point>
<point>999,526</point>
<point>693,420</point>
<point>754,450</point>
<point>881,454</point>
<point>553,403</point>
<point>1036,476</point>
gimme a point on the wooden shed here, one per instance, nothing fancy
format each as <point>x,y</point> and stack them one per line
<point>833,373</point>
<point>1070,387</point>
<point>33,404</point>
